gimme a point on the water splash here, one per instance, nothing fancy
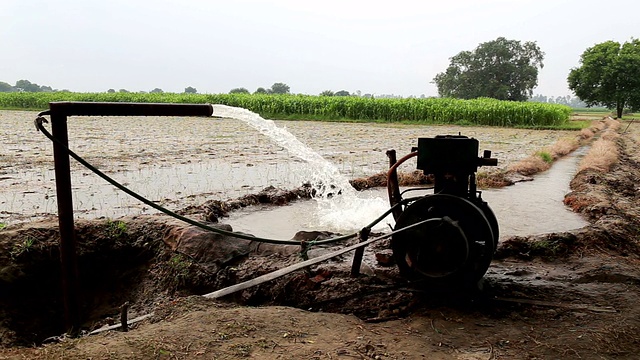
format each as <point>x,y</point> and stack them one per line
<point>352,212</point>
<point>348,210</point>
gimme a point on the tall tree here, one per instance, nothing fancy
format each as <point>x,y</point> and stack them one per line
<point>156,91</point>
<point>190,90</point>
<point>279,88</point>
<point>609,76</point>
<point>501,69</point>
<point>261,90</point>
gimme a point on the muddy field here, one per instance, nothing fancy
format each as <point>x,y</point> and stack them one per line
<point>186,161</point>
<point>557,296</point>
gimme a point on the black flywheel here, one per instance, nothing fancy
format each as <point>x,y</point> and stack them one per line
<point>454,249</point>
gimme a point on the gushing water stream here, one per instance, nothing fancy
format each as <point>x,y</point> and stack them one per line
<point>338,204</point>
<point>323,175</point>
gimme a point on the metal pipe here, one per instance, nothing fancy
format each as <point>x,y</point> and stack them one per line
<point>71,108</point>
<point>359,253</point>
<point>70,293</point>
<point>393,188</point>
<point>392,181</point>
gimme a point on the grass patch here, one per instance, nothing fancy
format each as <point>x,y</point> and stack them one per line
<point>573,125</point>
<point>116,229</point>
<point>2,226</point>
<point>180,265</point>
<point>592,110</point>
<point>545,156</point>
<point>22,247</point>
<point>545,247</point>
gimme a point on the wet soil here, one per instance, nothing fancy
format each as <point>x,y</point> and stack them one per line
<point>563,295</point>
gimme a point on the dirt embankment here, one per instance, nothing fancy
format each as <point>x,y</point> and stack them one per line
<point>569,295</point>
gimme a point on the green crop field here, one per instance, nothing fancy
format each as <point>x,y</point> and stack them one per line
<point>483,111</point>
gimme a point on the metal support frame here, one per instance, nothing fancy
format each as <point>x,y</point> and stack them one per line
<point>59,111</point>
<point>359,253</point>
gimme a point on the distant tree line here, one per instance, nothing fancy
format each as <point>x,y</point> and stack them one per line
<point>28,86</point>
<point>187,90</point>
<point>276,88</point>
<point>282,88</point>
<point>568,100</point>
<point>337,93</point>
<point>24,85</point>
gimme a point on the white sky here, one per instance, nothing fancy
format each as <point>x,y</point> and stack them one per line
<point>378,47</point>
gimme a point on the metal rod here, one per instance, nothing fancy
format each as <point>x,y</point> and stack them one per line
<point>359,253</point>
<point>123,316</point>
<point>393,187</point>
<point>71,108</point>
<point>297,266</point>
<point>69,266</point>
<point>627,128</point>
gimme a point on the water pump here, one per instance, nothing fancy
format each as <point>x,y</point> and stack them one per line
<point>458,246</point>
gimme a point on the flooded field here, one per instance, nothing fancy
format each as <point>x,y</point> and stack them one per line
<point>184,161</point>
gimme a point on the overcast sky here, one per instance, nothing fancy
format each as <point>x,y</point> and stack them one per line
<point>378,47</point>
